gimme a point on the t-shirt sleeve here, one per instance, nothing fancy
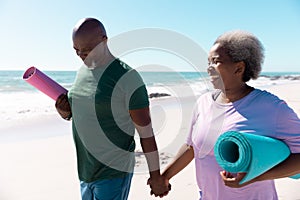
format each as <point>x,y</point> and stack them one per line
<point>195,114</point>
<point>135,89</point>
<point>139,99</point>
<point>288,127</point>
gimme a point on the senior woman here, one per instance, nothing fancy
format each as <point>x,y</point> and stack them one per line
<point>234,59</point>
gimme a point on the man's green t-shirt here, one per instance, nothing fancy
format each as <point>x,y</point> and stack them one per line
<point>102,128</point>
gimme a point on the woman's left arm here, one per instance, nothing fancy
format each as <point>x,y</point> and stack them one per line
<point>287,168</point>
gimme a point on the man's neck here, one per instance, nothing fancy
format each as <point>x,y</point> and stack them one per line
<point>106,59</point>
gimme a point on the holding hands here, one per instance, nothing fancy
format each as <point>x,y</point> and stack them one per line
<point>159,185</point>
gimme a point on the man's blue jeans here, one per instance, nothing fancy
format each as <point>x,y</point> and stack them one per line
<point>108,189</point>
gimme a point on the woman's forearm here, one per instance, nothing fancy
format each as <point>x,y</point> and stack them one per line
<point>184,156</point>
<point>289,167</point>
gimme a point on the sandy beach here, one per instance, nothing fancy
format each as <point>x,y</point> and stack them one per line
<point>38,159</point>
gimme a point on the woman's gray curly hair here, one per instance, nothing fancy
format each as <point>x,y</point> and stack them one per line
<point>243,46</point>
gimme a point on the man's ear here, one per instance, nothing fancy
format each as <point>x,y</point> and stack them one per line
<point>104,38</point>
<point>240,68</point>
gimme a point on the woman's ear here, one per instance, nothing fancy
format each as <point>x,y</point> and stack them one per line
<point>240,68</point>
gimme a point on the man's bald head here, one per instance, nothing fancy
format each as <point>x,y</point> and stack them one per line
<point>89,27</point>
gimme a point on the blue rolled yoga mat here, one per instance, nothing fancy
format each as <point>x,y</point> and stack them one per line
<point>254,154</point>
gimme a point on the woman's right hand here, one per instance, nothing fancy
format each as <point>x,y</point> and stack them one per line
<point>63,107</point>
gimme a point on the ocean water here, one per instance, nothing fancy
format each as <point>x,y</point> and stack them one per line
<point>20,100</point>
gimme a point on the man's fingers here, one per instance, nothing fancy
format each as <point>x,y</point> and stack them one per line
<point>60,98</point>
<point>62,101</point>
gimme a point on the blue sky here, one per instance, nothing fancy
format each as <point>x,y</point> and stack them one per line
<point>38,33</point>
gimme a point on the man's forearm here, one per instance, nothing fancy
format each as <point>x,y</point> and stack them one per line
<point>151,153</point>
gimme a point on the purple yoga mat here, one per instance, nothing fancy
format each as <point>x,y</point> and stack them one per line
<point>43,83</point>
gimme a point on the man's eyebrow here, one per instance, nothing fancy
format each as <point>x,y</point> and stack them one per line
<point>83,49</point>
